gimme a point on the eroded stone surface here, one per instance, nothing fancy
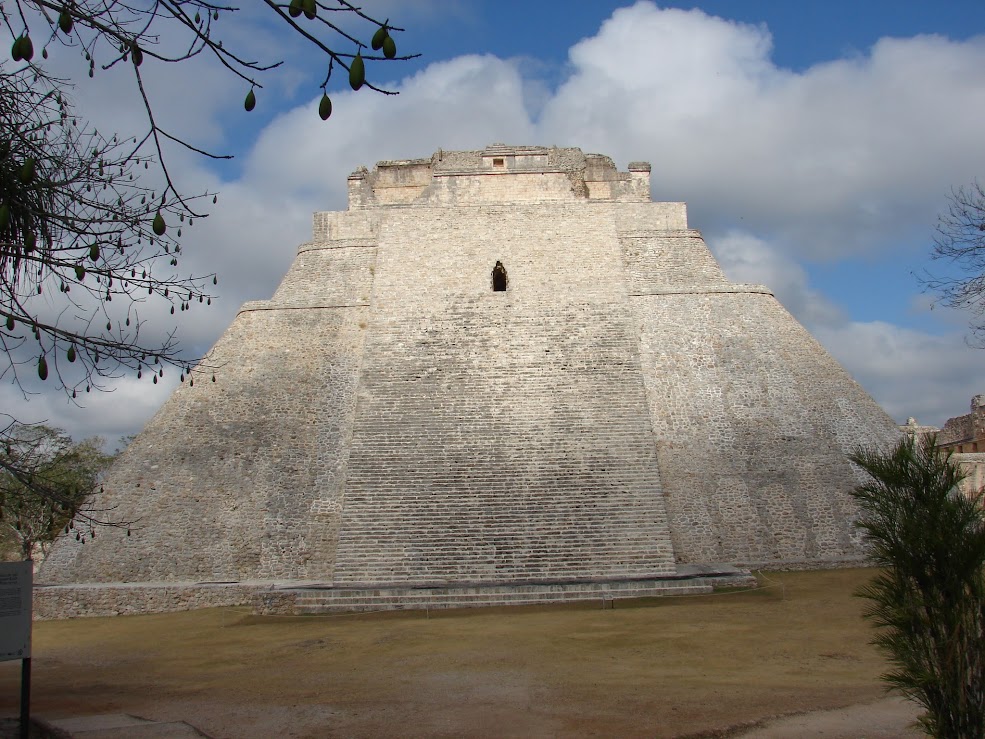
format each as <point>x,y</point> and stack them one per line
<point>388,417</point>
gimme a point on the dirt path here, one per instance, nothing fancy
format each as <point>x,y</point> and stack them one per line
<point>661,668</point>
<point>889,718</point>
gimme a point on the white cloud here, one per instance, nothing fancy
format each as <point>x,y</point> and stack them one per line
<point>746,258</point>
<point>121,411</point>
<point>910,373</point>
<point>841,159</point>
<point>847,156</point>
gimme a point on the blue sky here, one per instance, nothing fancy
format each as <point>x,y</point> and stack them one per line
<point>814,142</point>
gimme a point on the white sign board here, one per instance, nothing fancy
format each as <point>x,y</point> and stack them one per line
<point>16,579</point>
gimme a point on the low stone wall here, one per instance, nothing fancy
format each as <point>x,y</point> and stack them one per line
<point>973,466</point>
<point>267,597</point>
<point>118,599</point>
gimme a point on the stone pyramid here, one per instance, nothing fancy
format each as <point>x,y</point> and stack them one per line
<point>496,368</point>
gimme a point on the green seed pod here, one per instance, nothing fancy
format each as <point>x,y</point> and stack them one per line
<point>15,50</point>
<point>389,47</point>
<point>10,323</point>
<point>159,225</point>
<point>27,48</point>
<point>80,272</point>
<point>27,171</point>
<point>251,101</point>
<point>295,8</point>
<point>357,72</point>
<point>136,55</point>
<point>324,111</point>
<point>30,241</point>
<point>65,22</point>
<point>310,8</point>
<point>70,354</point>
<point>381,33</point>
<point>43,368</point>
<point>94,252</point>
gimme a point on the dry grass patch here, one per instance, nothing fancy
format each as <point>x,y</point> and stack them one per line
<point>660,667</point>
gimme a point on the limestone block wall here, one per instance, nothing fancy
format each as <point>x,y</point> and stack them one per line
<point>501,441</point>
<point>429,254</point>
<point>753,420</point>
<point>507,187</point>
<point>501,436</point>
<point>657,259</point>
<point>329,274</point>
<point>242,478</point>
<point>973,467</point>
<point>388,418</point>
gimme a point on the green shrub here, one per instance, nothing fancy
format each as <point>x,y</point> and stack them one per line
<point>928,602</point>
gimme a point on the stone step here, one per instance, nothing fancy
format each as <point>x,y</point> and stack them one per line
<point>315,600</point>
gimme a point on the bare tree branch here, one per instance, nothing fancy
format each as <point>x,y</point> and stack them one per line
<point>960,239</point>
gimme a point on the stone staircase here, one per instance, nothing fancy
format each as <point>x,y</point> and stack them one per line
<point>312,599</point>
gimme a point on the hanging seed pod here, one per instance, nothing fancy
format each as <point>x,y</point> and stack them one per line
<point>27,171</point>
<point>27,48</point>
<point>325,107</point>
<point>389,47</point>
<point>357,72</point>
<point>381,33</point>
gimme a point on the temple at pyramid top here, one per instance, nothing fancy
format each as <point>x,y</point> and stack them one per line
<point>499,173</point>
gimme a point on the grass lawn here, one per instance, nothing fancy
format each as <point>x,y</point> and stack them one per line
<point>657,667</point>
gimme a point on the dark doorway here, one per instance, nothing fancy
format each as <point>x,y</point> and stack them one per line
<point>499,278</point>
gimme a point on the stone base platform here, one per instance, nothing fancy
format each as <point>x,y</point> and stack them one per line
<point>302,598</point>
<point>316,599</point>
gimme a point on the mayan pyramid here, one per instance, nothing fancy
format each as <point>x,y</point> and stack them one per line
<point>496,367</point>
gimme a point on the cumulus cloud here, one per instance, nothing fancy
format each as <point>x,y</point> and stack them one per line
<point>120,410</point>
<point>910,373</point>
<point>746,258</point>
<point>848,157</point>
